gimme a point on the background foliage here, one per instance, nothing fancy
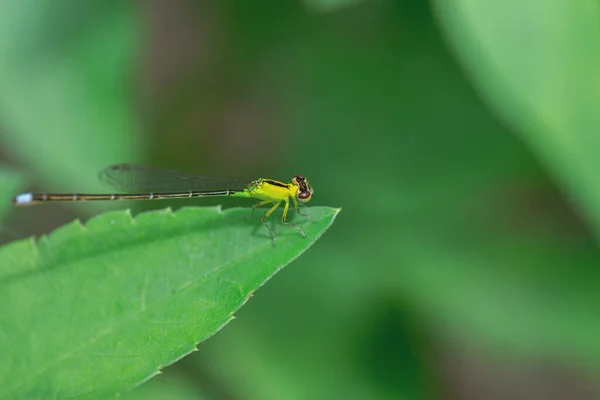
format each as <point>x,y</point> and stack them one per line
<point>459,139</point>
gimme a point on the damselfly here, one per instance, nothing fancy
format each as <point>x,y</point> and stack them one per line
<point>147,183</point>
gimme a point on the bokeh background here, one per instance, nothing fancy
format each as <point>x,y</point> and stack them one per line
<point>459,139</point>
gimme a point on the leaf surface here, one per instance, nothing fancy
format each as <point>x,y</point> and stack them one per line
<point>93,310</point>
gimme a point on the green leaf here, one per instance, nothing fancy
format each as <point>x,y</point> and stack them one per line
<point>537,64</point>
<point>66,72</point>
<point>93,310</point>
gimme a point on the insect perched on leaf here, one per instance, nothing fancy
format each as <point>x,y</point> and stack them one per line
<point>148,183</point>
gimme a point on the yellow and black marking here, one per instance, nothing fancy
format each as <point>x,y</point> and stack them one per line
<point>274,192</point>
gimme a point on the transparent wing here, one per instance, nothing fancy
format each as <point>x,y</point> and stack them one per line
<point>139,178</point>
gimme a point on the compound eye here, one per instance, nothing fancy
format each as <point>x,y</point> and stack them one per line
<point>304,196</point>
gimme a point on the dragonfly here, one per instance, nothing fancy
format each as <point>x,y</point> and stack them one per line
<point>139,182</point>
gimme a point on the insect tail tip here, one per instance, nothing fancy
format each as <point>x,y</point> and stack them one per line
<point>23,199</point>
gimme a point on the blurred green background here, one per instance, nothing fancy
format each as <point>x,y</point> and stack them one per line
<point>459,140</point>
